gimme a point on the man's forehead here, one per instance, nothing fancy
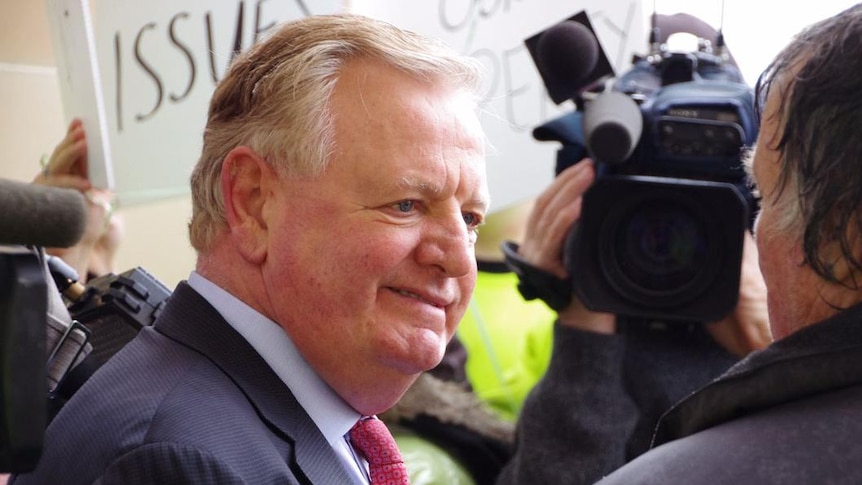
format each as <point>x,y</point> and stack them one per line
<point>425,182</point>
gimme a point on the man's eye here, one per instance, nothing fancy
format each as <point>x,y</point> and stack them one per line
<point>406,206</point>
<point>472,219</point>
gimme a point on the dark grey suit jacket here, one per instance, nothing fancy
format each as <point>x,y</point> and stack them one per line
<point>187,401</point>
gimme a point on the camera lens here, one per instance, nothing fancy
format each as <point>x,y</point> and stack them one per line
<point>659,250</point>
<point>661,247</point>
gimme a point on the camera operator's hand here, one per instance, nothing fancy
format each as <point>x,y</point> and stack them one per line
<point>747,327</point>
<point>553,215</point>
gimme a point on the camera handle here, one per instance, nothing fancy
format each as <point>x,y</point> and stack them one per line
<point>537,283</point>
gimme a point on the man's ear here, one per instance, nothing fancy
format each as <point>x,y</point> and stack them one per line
<point>247,182</point>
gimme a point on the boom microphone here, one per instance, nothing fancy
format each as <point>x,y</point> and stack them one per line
<point>41,216</point>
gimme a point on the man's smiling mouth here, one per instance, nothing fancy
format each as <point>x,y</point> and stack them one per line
<point>416,296</point>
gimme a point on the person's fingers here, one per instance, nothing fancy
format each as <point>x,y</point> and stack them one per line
<point>67,158</point>
<point>556,210</point>
<point>564,188</point>
<point>70,155</point>
<point>546,250</point>
<point>65,181</point>
<point>67,166</point>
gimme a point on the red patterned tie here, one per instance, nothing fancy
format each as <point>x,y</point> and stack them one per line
<point>372,439</point>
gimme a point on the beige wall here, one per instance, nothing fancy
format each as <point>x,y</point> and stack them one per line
<point>32,122</point>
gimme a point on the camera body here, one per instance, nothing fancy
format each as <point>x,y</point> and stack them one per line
<point>662,229</point>
<point>113,308</point>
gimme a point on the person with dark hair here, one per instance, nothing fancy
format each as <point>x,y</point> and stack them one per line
<point>791,412</point>
<point>335,209</point>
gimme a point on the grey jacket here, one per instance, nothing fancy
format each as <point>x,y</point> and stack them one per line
<point>791,413</point>
<point>598,404</point>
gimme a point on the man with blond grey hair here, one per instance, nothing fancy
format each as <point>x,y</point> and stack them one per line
<point>335,207</point>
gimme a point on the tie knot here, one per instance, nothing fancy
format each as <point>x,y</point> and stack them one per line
<point>372,439</point>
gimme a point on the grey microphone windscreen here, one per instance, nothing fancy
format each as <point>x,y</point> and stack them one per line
<point>39,215</point>
<point>612,127</point>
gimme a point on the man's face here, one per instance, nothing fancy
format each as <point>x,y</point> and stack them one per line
<point>371,266</point>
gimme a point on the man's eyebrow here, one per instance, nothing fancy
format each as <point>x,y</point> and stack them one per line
<point>480,204</point>
<point>419,183</point>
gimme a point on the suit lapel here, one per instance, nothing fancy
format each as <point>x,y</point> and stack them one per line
<point>190,320</point>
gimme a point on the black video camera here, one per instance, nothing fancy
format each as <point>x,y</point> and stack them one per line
<point>661,231</point>
<point>113,309</point>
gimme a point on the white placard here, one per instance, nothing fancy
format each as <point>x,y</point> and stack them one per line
<point>515,97</point>
<point>79,81</point>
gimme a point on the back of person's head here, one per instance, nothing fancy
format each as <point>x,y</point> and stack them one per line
<point>275,98</point>
<point>818,91</point>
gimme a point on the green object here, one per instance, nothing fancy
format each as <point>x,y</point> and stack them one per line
<point>508,342</point>
<point>427,463</point>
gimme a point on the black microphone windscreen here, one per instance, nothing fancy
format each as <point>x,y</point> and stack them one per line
<point>568,53</point>
<point>39,215</point>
